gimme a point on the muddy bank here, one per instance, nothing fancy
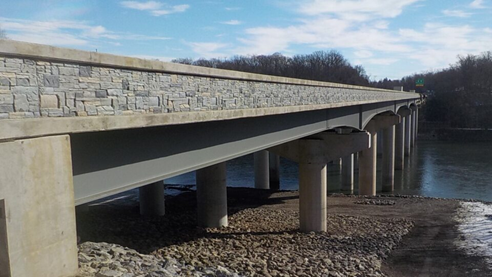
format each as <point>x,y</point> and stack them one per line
<point>366,237</point>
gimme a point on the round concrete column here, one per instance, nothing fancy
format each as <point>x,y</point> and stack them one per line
<point>400,145</point>
<point>388,169</point>
<point>211,192</point>
<point>408,128</point>
<point>416,122</point>
<point>151,198</point>
<point>414,127</point>
<point>274,165</point>
<point>262,171</point>
<point>348,174</point>
<point>367,167</point>
<point>312,197</point>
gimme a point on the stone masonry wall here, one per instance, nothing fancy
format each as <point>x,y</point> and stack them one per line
<point>33,88</point>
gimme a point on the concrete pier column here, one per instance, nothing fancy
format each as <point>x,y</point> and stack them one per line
<point>412,129</point>
<point>400,145</point>
<point>367,166</point>
<point>312,154</point>
<point>414,126</point>
<point>348,174</point>
<point>211,191</point>
<point>37,208</point>
<point>408,128</point>
<point>380,143</point>
<point>312,197</point>
<point>151,198</point>
<point>262,170</point>
<point>274,165</point>
<point>416,122</point>
<point>388,169</point>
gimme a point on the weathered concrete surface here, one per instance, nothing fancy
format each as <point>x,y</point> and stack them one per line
<point>36,185</point>
<point>211,194</point>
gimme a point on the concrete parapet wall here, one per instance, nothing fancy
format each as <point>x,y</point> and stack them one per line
<point>44,81</point>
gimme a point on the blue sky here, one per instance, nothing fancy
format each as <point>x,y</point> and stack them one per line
<point>389,38</point>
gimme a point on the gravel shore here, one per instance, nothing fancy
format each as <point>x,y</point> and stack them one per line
<point>262,238</point>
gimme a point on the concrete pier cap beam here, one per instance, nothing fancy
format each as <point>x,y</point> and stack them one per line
<point>312,154</point>
<point>368,157</point>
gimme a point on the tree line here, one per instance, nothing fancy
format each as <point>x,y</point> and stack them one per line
<point>328,66</point>
<point>459,96</point>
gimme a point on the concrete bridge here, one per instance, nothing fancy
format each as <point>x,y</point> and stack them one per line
<point>77,126</point>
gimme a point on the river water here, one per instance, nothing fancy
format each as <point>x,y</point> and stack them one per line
<point>435,169</point>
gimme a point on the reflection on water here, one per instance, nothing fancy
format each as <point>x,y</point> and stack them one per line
<point>435,169</point>
<point>449,170</point>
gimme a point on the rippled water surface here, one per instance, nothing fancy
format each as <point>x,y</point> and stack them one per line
<point>436,169</point>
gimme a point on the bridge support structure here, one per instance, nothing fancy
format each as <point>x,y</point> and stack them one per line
<point>348,174</point>
<point>415,111</point>
<point>37,208</point>
<point>312,154</point>
<point>368,157</point>
<point>400,136</point>
<point>151,198</point>
<point>408,134</point>
<point>274,172</point>
<point>262,169</point>
<point>388,166</point>
<point>211,191</point>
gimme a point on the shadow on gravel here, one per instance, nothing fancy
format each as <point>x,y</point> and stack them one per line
<point>123,224</point>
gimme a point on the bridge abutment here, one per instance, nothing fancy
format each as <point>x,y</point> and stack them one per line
<point>37,221</point>
<point>211,191</point>
<point>151,198</point>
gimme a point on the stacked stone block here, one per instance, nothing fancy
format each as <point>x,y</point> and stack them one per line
<point>34,88</point>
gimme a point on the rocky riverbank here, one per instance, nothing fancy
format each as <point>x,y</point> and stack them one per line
<point>363,238</point>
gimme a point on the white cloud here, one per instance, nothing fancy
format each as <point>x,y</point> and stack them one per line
<point>439,44</point>
<point>155,8</point>
<point>477,4</point>
<point>232,22</point>
<point>207,49</point>
<point>456,13</point>
<point>153,58</point>
<point>142,6</point>
<point>363,54</point>
<point>322,32</point>
<point>65,33</point>
<point>356,9</point>
<point>232,8</point>
<point>381,61</point>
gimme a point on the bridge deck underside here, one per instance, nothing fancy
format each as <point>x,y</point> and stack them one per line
<point>106,163</point>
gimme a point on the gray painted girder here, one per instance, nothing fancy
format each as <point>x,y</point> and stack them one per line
<point>106,163</point>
